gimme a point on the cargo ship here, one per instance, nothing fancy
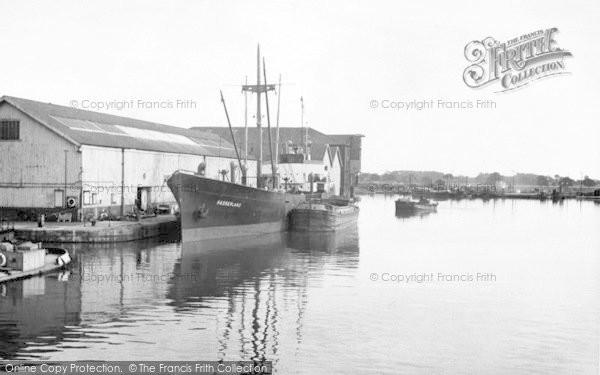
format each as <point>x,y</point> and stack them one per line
<point>211,208</point>
<point>218,209</point>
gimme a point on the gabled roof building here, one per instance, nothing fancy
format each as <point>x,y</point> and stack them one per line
<point>57,158</point>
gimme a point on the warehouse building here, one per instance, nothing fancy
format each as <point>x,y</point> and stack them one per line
<point>57,159</point>
<point>320,172</point>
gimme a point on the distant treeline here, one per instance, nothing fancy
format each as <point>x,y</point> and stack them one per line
<point>438,178</point>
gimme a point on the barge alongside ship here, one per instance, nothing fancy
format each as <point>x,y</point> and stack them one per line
<point>323,216</point>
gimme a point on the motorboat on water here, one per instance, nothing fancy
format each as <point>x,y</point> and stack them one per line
<point>409,205</point>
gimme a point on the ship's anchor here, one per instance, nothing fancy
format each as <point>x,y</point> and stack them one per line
<point>201,212</point>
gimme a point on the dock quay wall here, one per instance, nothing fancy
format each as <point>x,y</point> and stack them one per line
<point>117,232</point>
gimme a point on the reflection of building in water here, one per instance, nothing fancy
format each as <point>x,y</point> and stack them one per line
<point>115,279</point>
<point>36,309</point>
<point>259,285</point>
<point>103,285</point>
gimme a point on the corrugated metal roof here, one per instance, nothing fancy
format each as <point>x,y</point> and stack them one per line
<point>83,127</point>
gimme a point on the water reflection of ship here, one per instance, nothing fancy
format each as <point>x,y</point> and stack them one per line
<point>234,269</point>
<point>343,242</point>
<point>260,283</point>
<point>401,214</point>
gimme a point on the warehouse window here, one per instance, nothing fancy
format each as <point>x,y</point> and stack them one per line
<point>9,130</point>
<point>86,198</point>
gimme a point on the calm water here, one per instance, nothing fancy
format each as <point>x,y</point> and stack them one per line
<point>309,304</point>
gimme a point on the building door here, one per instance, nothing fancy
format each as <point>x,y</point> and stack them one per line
<point>143,198</point>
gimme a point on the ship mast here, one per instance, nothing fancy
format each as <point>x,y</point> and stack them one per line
<point>246,126</point>
<point>277,131</point>
<point>304,137</point>
<point>301,125</point>
<point>258,89</point>
<point>273,168</point>
<point>258,123</point>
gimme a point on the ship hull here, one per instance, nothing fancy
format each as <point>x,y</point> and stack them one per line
<point>306,220</point>
<point>217,209</point>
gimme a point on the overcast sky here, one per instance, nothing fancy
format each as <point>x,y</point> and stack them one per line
<point>340,56</point>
